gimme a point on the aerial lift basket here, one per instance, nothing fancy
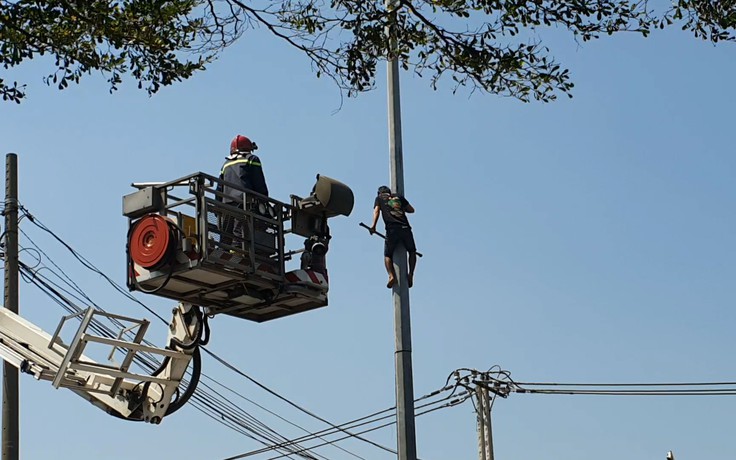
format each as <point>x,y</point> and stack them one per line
<point>189,242</point>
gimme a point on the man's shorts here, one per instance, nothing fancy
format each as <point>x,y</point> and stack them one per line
<point>396,235</point>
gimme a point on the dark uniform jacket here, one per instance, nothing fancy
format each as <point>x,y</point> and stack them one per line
<point>245,170</point>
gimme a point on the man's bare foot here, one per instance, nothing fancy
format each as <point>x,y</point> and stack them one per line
<point>411,279</point>
<point>391,282</point>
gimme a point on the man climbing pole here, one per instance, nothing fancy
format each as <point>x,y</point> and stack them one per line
<point>393,208</point>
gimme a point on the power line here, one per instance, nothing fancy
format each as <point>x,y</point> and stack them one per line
<point>449,404</point>
<point>366,420</point>
<point>671,384</point>
<point>227,411</point>
<point>85,262</point>
<point>36,278</point>
<point>224,411</point>
<point>659,384</point>
<point>316,434</point>
<point>291,403</point>
<point>505,385</point>
<point>718,392</point>
<point>229,414</point>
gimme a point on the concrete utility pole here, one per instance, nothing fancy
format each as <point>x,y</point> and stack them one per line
<point>485,433</point>
<point>11,435</point>
<point>406,435</point>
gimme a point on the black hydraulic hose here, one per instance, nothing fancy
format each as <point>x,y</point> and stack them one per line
<point>138,401</point>
<point>117,414</point>
<point>161,368</point>
<point>187,346</point>
<point>196,372</point>
<point>201,324</point>
<point>204,337</point>
<point>174,342</point>
<point>155,290</point>
<point>181,399</point>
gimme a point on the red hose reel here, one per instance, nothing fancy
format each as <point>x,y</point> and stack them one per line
<point>152,241</point>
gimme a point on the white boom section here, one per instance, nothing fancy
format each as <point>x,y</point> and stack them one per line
<point>110,387</point>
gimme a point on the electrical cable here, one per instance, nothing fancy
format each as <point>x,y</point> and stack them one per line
<point>449,404</point>
<point>353,423</point>
<point>286,442</point>
<point>505,385</point>
<point>658,384</point>
<point>86,263</point>
<point>52,290</point>
<point>709,392</point>
<point>64,302</point>
<point>301,450</point>
<point>90,266</point>
<point>352,426</point>
<point>311,414</point>
<point>255,430</point>
<point>599,389</point>
<point>66,277</point>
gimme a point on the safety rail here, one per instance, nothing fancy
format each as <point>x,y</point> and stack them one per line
<point>248,232</point>
<point>191,241</point>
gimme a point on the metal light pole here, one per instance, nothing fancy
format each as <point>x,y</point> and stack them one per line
<point>10,373</point>
<point>406,436</point>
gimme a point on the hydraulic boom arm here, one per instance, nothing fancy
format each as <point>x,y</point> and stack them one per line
<point>111,387</point>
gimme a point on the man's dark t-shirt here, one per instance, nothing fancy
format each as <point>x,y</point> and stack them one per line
<point>393,210</point>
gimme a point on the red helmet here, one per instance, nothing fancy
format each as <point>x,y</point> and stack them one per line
<point>242,144</point>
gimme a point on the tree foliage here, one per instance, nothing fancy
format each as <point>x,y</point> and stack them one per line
<point>143,38</point>
<point>496,46</point>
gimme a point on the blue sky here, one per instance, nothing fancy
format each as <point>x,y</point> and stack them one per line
<point>585,240</point>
